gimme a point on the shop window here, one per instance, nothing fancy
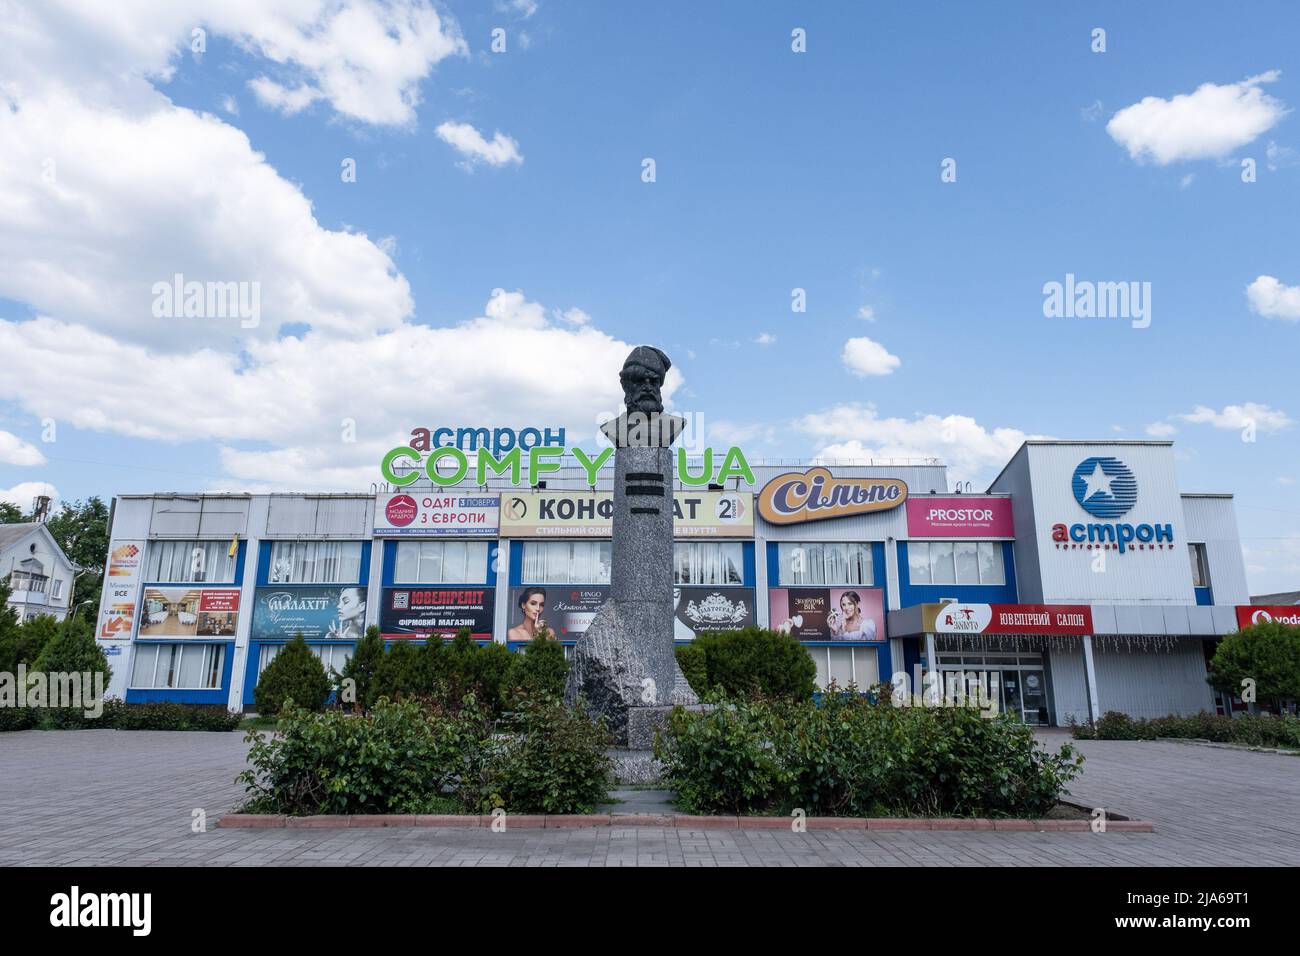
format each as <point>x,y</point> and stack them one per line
<point>178,666</point>
<point>566,562</point>
<point>707,562</point>
<point>833,563</point>
<point>846,665</point>
<point>315,562</point>
<point>1200,569</point>
<point>441,562</point>
<point>186,562</point>
<point>960,562</point>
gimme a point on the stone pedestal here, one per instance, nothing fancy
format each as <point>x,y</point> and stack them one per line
<point>625,663</point>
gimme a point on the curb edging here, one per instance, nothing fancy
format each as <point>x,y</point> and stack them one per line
<point>264,821</point>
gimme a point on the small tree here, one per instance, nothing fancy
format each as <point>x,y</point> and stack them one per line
<point>1267,653</point>
<point>363,666</point>
<point>748,662</point>
<point>72,649</point>
<point>296,674</point>
<point>21,643</point>
<point>540,668</point>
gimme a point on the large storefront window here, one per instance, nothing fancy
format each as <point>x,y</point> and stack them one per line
<point>315,562</point>
<point>707,562</point>
<point>826,563</point>
<point>186,562</point>
<point>178,666</point>
<point>566,562</point>
<point>845,666</point>
<point>441,562</point>
<point>960,562</point>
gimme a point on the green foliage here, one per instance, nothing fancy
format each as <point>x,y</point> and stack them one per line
<point>1255,731</point>
<point>540,668</point>
<point>72,647</point>
<point>164,715</point>
<point>363,667</point>
<point>81,530</point>
<point>409,756</point>
<point>11,513</point>
<point>1267,653</point>
<point>749,662</point>
<point>22,643</point>
<point>847,756</point>
<point>546,757</point>
<point>296,674</point>
<point>444,672</point>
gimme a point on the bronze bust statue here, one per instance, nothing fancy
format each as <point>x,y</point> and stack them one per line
<point>642,379</point>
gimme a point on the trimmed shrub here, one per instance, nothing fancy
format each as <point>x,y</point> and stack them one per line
<point>295,675</point>
<point>17,718</point>
<point>363,668</point>
<point>409,757</point>
<point>540,668</point>
<point>1261,730</point>
<point>749,662</point>
<point>164,715</point>
<point>845,756</point>
<point>546,757</point>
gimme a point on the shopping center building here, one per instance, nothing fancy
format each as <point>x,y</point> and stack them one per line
<point>1083,580</point>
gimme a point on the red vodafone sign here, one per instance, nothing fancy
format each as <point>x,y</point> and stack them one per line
<point>1248,614</point>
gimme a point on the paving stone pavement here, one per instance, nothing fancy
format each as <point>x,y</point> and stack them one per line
<point>102,797</point>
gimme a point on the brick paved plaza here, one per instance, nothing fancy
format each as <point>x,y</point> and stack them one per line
<point>111,797</point>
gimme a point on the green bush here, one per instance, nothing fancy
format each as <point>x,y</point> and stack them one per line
<point>296,674</point>
<point>410,756</point>
<point>17,718</point>
<point>540,668</point>
<point>749,662</point>
<point>845,756</point>
<point>1267,655</point>
<point>23,643</point>
<point>166,715</point>
<point>1261,730</point>
<point>71,650</point>
<point>362,668</point>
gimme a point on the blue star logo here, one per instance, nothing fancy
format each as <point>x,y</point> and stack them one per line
<point>1104,487</point>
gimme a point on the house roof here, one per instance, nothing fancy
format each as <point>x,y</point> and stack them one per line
<point>13,533</point>
<point>1280,597</point>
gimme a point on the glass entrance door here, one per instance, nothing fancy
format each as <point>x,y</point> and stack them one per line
<point>1033,695</point>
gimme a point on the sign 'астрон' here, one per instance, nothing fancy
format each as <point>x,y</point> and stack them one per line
<point>815,494</point>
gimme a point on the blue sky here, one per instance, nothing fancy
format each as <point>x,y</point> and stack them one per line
<point>775,170</point>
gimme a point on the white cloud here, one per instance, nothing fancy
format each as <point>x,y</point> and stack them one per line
<point>863,356</point>
<point>99,205</point>
<point>1280,156</point>
<point>15,451</point>
<point>575,317</point>
<point>765,338</point>
<point>281,98</point>
<point>230,105</point>
<point>525,8</point>
<point>24,492</point>
<point>292,393</point>
<point>856,431</point>
<point>366,58</point>
<point>1206,124</point>
<point>1273,300</point>
<point>501,150</point>
<point>1262,417</point>
<point>1161,430</point>
<point>868,313</point>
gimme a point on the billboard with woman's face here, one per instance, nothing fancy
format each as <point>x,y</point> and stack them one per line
<point>326,613</point>
<point>828,614</point>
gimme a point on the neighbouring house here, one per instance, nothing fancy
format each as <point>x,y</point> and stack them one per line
<point>37,571</point>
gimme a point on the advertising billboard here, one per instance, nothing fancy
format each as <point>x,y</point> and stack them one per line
<point>425,611</point>
<point>1065,619</point>
<point>828,614</point>
<point>317,613</point>
<point>590,514</point>
<point>190,612</point>
<point>436,513</point>
<point>121,591</point>
<point>815,494</point>
<point>959,516</point>
<point>567,610</point>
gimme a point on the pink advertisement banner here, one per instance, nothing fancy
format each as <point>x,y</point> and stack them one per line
<point>959,516</point>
